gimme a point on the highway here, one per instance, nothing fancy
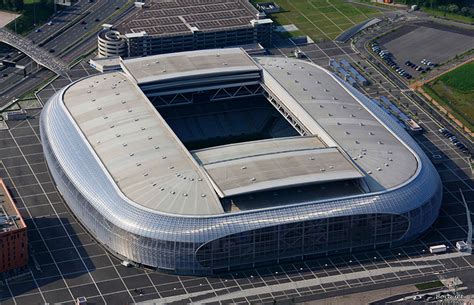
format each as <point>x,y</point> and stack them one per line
<point>60,21</point>
<point>81,34</point>
<point>38,54</point>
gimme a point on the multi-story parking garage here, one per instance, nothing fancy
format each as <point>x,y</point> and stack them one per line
<point>166,26</point>
<point>207,161</point>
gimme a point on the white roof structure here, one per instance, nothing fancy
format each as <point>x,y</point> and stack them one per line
<point>241,168</point>
<point>136,146</point>
<point>151,166</point>
<point>334,112</point>
<point>188,64</point>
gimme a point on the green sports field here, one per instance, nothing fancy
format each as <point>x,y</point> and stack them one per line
<point>321,19</point>
<point>455,90</point>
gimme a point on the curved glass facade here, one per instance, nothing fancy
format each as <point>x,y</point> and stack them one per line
<point>298,239</point>
<point>202,245</point>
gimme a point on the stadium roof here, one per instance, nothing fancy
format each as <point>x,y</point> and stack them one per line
<point>270,164</point>
<point>337,113</point>
<point>188,64</point>
<point>138,149</point>
<point>152,167</point>
<point>172,17</point>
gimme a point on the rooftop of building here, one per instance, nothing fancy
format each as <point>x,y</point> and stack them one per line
<point>10,218</point>
<point>325,106</point>
<point>188,64</point>
<point>153,168</point>
<point>173,17</point>
<point>137,147</point>
<point>257,166</point>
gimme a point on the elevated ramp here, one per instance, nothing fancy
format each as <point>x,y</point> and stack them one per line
<point>39,55</point>
<point>346,35</point>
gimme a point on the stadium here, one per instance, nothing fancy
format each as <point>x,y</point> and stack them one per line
<point>207,161</point>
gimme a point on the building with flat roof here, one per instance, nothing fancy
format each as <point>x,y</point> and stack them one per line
<point>208,161</point>
<point>13,236</point>
<point>166,26</point>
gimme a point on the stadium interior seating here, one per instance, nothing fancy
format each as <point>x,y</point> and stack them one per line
<point>208,124</point>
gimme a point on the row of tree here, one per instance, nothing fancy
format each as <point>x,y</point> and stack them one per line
<point>463,7</point>
<point>454,8</point>
<point>19,5</point>
<point>12,5</point>
<point>436,3</point>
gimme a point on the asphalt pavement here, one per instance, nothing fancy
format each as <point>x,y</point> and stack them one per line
<point>59,21</point>
<point>68,35</point>
<point>66,262</point>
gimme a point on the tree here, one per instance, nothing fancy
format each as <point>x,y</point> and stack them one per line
<point>12,5</point>
<point>465,11</point>
<point>453,8</point>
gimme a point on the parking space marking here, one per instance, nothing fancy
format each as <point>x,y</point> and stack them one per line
<point>366,263</point>
<point>54,209</point>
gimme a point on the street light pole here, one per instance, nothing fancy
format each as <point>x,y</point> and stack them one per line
<point>469,223</point>
<point>34,13</point>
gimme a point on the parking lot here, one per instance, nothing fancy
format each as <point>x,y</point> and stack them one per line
<point>434,42</point>
<point>319,53</point>
<point>66,262</point>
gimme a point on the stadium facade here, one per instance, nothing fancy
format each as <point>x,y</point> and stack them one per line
<point>207,161</point>
<point>166,26</point>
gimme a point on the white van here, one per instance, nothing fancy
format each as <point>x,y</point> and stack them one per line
<point>438,249</point>
<point>126,263</point>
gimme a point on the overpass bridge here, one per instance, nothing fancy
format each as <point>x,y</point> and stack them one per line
<point>38,54</point>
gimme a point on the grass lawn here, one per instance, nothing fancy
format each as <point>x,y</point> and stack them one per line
<point>34,14</point>
<point>455,90</point>
<point>429,285</point>
<point>320,19</point>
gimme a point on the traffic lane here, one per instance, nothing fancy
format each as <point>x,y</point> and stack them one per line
<point>12,93</point>
<point>63,16</point>
<point>12,77</point>
<point>30,82</point>
<point>78,30</point>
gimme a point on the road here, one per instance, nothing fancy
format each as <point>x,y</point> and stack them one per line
<point>70,263</point>
<point>84,28</point>
<point>361,45</point>
<point>60,21</point>
<point>38,54</point>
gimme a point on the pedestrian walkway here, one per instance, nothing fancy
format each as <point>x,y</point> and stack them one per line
<point>36,53</point>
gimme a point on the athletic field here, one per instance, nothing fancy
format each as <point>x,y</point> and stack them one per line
<point>321,19</point>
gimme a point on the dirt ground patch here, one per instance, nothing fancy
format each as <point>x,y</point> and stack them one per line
<point>7,17</point>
